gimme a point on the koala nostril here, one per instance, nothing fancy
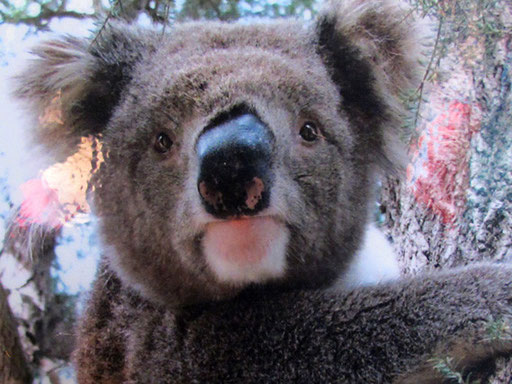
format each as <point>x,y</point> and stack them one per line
<point>210,195</point>
<point>253,194</point>
<point>254,190</point>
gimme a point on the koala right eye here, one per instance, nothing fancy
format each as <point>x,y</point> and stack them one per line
<point>163,143</point>
<point>309,131</point>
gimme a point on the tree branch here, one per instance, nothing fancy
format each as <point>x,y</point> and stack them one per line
<point>13,365</point>
<point>427,71</point>
<point>42,20</point>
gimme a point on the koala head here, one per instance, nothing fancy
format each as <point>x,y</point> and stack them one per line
<point>234,154</point>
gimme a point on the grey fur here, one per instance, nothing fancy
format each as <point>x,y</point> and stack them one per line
<point>383,334</point>
<point>151,317</point>
<point>131,84</point>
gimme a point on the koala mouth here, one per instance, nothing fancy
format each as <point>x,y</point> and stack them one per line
<point>246,249</point>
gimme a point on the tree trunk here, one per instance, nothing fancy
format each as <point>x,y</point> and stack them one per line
<point>13,366</point>
<point>455,207</point>
<point>47,316</point>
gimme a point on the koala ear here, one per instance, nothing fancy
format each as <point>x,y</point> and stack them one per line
<point>72,85</point>
<point>372,51</point>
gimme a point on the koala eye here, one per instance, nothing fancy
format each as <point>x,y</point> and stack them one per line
<point>309,131</point>
<point>163,143</point>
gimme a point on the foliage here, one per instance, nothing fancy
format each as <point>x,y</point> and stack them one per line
<point>460,23</point>
<point>495,330</point>
<point>445,366</point>
<point>36,14</point>
<point>39,13</point>
<point>498,330</point>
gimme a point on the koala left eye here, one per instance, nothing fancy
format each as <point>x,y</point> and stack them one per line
<point>309,131</point>
<point>163,143</point>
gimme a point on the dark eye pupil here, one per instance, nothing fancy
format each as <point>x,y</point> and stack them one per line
<point>309,131</point>
<point>163,143</point>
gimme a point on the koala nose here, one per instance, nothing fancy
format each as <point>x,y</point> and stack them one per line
<point>235,172</point>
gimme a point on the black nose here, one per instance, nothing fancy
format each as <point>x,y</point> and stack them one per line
<point>235,167</point>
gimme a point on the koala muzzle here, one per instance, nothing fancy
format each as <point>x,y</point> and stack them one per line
<point>235,167</point>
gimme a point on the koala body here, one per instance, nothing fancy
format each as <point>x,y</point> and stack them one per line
<point>238,159</point>
<point>390,333</point>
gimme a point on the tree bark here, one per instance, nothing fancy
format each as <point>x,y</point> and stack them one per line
<point>13,365</point>
<point>455,207</point>
<point>47,316</point>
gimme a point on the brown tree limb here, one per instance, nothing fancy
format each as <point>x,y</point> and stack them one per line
<point>13,365</point>
<point>42,20</point>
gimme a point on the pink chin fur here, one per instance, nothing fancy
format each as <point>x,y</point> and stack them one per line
<point>242,241</point>
<point>249,249</point>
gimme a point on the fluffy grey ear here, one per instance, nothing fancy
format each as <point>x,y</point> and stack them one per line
<point>72,85</point>
<point>372,51</point>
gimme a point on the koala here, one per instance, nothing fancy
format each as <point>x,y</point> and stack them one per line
<point>238,162</point>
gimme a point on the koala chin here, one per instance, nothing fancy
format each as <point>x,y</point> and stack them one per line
<point>249,250</point>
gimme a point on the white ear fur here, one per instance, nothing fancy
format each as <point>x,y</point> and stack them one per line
<point>386,33</point>
<point>53,81</point>
<point>383,37</point>
<point>72,85</point>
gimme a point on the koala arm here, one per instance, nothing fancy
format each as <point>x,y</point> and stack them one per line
<point>379,334</point>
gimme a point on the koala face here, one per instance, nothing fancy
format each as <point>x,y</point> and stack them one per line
<point>204,130</point>
<point>234,154</point>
